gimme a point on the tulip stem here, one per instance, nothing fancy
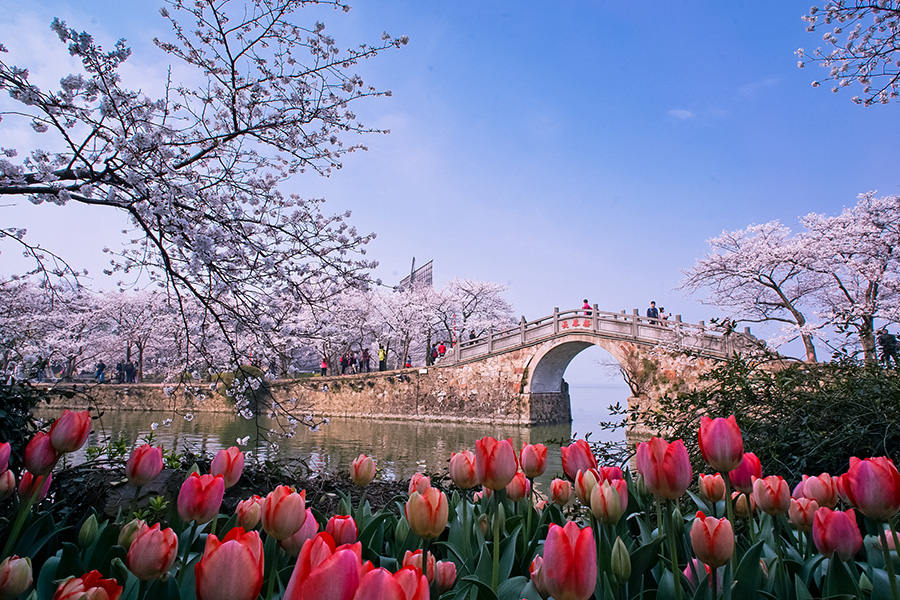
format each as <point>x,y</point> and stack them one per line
<point>24,509</point>
<point>714,582</point>
<point>529,509</point>
<point>273,567</point>
<point>729,512</point>
<point>187,546</point>
<point>495,571</point>
<point>673,551</point>
<point>888,563</point>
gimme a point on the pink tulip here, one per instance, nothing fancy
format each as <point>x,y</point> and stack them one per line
<point>231,569</point>
<point>152,552</point>
<point>310,528</point>
<point>7,485</point>
<point>284,511</point>
<point>873,486</point>
<point>5,450</point>
<point>560,491</point>
<point>40,455</point>
<point>70,431</point>
<point>483,494</point>
<point>540,505</point>
<point>712,487</point>
<point>419,483</point>
<point>427,513</point>
<point>36,487</point>
<point>712,540</point>
<point>362,470</point>
<point>229,464</point>
<point>609,473</point>
<point>324,570</point>
<point>519,487</point>
<point>462,469</point>
<point>744,504</point>
<point>821,489</point>
<point>445,575</point>
<point>495,462</point>
<point>249,512</point>
<point>381,584</point>
<point>343,529</point>
<point>694,569</point>
<point>721,443</point>
<point>609,500</point>
<point>666,467</point>
<point>801,513</point>
<point>15,576</point>
<point>536,570</point>
<point>90,586</point>
<point>144,464</point>
<point>200,497</point>
<point>772,494</point>
<point>413,559</point>
<point>569,568</point>
<point>836,532</point>
<point>533,459</point>
<point>742,476</point>
<point>584,484</point>
<point>577,457</point>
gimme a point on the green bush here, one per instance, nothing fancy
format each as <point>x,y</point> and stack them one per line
<point>17,424</point>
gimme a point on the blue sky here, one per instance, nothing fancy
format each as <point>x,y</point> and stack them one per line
<point>566,149</point>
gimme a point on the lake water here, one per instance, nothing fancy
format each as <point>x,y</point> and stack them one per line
<point>400,448</point>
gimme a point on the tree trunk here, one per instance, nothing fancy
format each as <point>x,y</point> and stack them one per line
<point>810,348</point>
<point>140,363</point>
<point>867,339</point>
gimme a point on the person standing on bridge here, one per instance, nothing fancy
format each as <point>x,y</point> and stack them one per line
<point>587,308</point>
<point>382,356</point>
<point>442,350</point>
<point>653,312</point>
<point>324,367</point>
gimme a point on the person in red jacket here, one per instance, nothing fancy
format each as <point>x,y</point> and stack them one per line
<point>442,349</point>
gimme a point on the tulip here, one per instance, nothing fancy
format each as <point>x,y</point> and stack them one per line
<point>712,487</point>
<point>200,497</point>
<point>283,512</point>
<point>230,569</point>
<point>744,504</point>
<point>692,572</point>
<point>413,584</point>
<point>801,513</point>
<point>40,455</point>
<point>427,513</point>
<point>607,473</point>
<point>620,561</point>
<point>462,469</point>
<point>536,570</point>
<point>540,505</point>
<point>89,532</point>
<point>152,552</point>
<point>666,467</point>
<point>772,494</point>
<point>130,531</point>
<point>343,529</point>
<point>362,470</point>
<point>414,560</point>
<point>840,487</point>
<point>821,489</point>
<point>873,486</point>
<point>836,532</point>
<point>5,450</point>
<point>70,431</point>
<point>609,500</point>
<point>741,477</point>
<point>307,531</point>
<point>7,485</point>
<point>712,540</point>
<point>249,512</point>
<point>444,575</point>
<point>584,484</point>
<point>15,576</point>
<point>483,494</point>
<point>533,459</point>
<point>720,443</point>
<point>519,487</point>
<point>419,483</point>
<point>495,462</point>
<point>405,584</point>
<point>229,464</point>
<point>90,586</point>
<point>325,571</point>
<point>577,457</point>
<point>560,491</point>
<point>34,487</point>
<point>569,568</point>
<point>144,465</point>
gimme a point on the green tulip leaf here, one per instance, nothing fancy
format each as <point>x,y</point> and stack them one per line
<point>484,589</point>
<point>642,560</point>
<point>511,589</point>
<point>881,585</point>
<point>839,581</point>
<point>529,592</point>
<point>801,590</point>
<point>46,579</point>
<point>508,552</point>
<point>748,574</point>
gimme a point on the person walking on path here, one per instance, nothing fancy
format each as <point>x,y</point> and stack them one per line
<point>382,358</point>
<point>130,372</point>
<point>587,308</point>
<point>442,350</point>
<point>120,371</point>
<point>653,312</point>
<point>101,371</point>
<point>344,362</point>
<point>364,360</point>
<point>888,344</point>
<point>324,367</point>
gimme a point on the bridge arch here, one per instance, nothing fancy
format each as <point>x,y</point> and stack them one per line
<point>548,365</point>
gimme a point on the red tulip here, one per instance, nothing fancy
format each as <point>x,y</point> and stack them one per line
<point>229,464</point>
<point>666,467</point>
<point>343,529</point>
<point>495,462</point>
<point>283,512</point>
<point>40,455</point>
<point>801,513</point>
<point>427,513</point>
<point>70,431</point>
<point>569,568</point>
<point>152,552</point>
<point>414,559</point>
<point>584,484</point>
<point>249,512</point>
<point>15,576</point>
<point>720,443</point>
<point>310,528</point>
<point>90,586</point>
<point>609,500</point>
<point>7,485</point>
<point>144,464</point>
<point>772,494</point>
<point>5,450</point>
<point>560,491</point>
<point>362,470</point>
<point>462,469</point>
<point>821,489</point>
<point>577,457</point>
<point>231,569</point>
<point>712,487</point>
<point>381,584</point>
<point>37,487</point>
<point>609,473</point>
<point>536,570</point>
<point>836,532</point>
<point>445,575</point>
<point>873,486</point>
<point>419,483</point>
<point>741,477</point>
<point>326,571</point>
<point>519,487</point>
<point>200,497</point>
<point>744,504</point>
<point>712,540</point>
<point>533,459</point>
<point>483,494</point>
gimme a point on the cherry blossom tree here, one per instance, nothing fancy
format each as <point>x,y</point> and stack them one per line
<point>862,47</point>
<point>469,305</point>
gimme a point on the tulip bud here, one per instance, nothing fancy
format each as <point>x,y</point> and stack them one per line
<point>15,576</point>
<point>343,529</point>
<point>620,561</point>
<point>144,464</point>
<point>70,431</point>
<point>462,469</point>
<point>5,451</point>
<point>419,483</point>
<point>518,488</point>
<point>712,540</point>
<point>865,585</point>
<point>821,489</point>
<point>427,513</point>
<point>444,575</point>
<point>90,586</point>
<point>238,560</point>
<point>665,466</point>
<point>495,462</point>
<point>540,505</point>
<point>742,476</point>
<point>40,455</point>
<point>744,505</point>
<point>307,531</point>
<point>712,487</point>
<point>229,463</point>
<point>533,458</point>
<point>7,485</point>
<point>569,569</point>
<point>129,531</point>
<point>402,529</point>
<point>89,532</point>
<point>836,532</point>
<point>577,457</point>
<point>200,497</point>
<point>584,484</point>
<point>482,494</point>
<point>484,525</point>
<point>249,512</point>
<point>414,560</point>
<point>873,486</point>
<point>772,494</point>
<point>721,443</point>
<point>609,500</point>
<point>537,576</point>
<point>34,487</point>
<point>152,552</point>
<point>362,470</point>
<point>560,491</point>
<point>283,512</point>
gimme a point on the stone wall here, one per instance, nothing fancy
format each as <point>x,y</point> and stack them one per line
<point>138,396</point>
